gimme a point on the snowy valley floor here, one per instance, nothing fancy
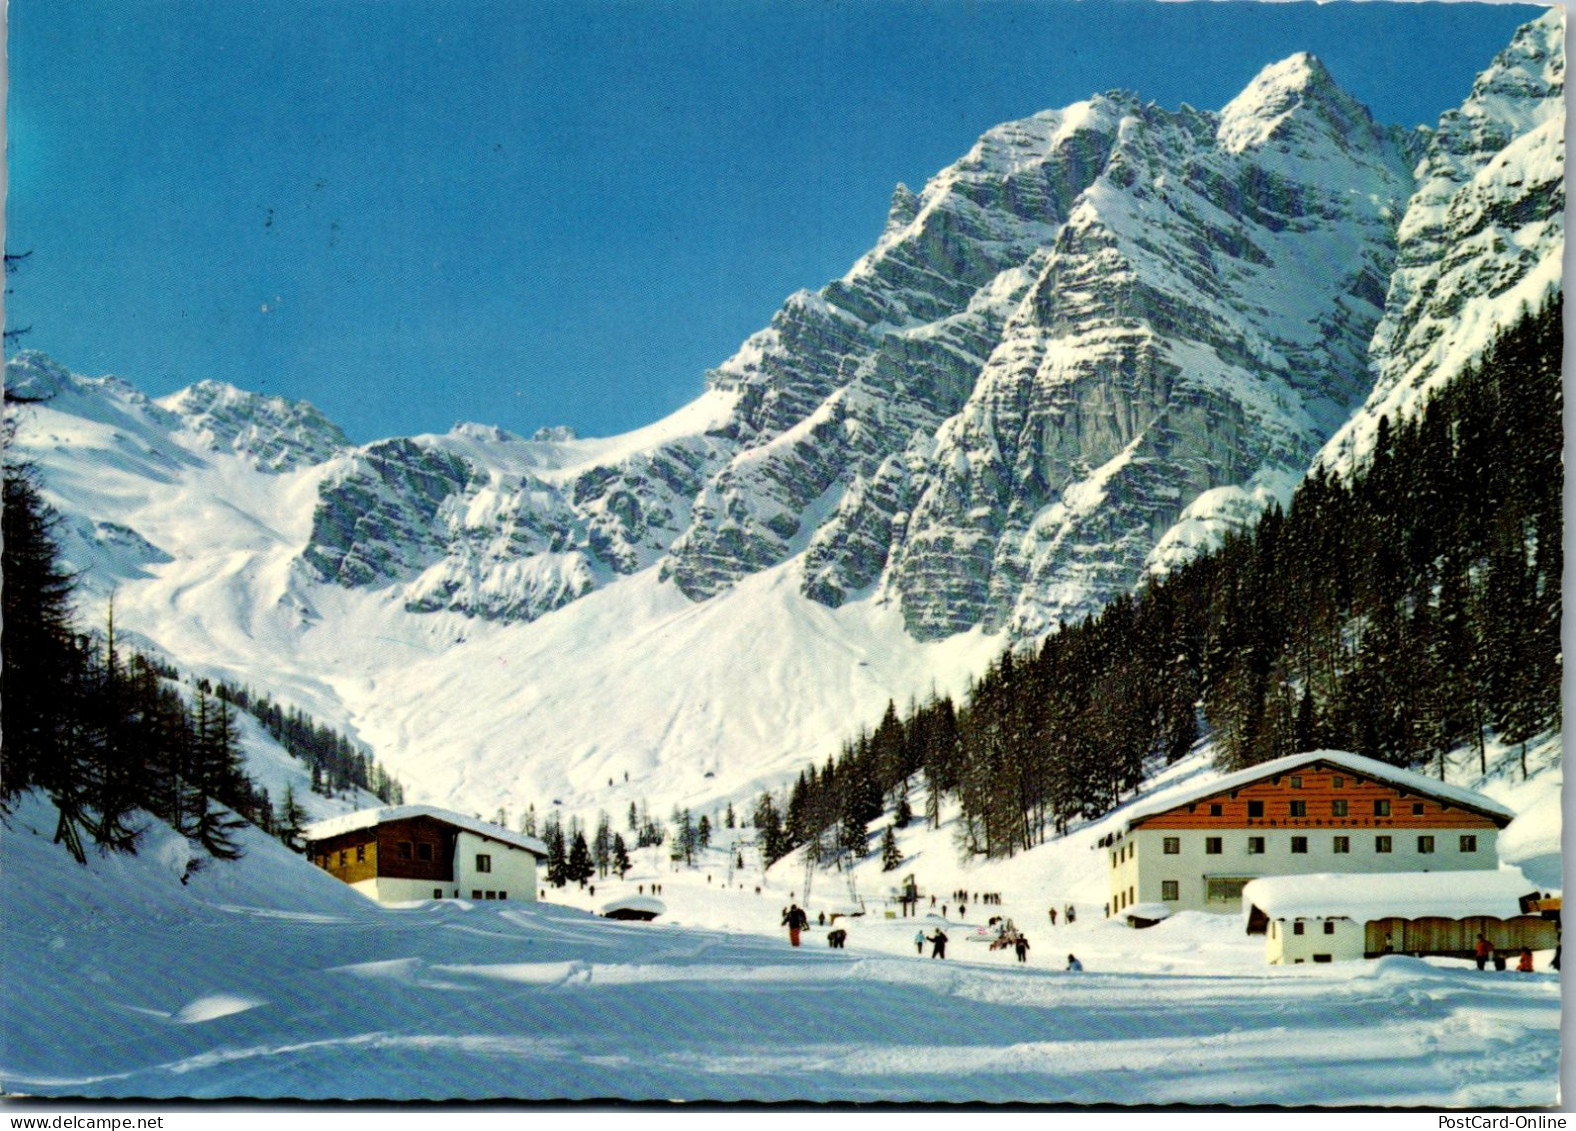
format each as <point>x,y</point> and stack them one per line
<point>268,979</point>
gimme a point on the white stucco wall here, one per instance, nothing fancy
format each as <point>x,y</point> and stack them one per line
<point>1343,940</point>
<point>1147,866</point>
<point>512,873</point>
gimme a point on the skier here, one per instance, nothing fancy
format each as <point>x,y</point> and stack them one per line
<point>938,944</point>
<point>795,920</point>
<point>1524,963</point>
<point>1073,964</point>
<point>1071,915</point>
<point>919,942</point>
<point>1021,945</point>
<point>1053,916</point>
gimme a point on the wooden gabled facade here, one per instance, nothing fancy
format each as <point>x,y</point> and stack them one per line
<point>1321,795</point>
<point>415,848</point>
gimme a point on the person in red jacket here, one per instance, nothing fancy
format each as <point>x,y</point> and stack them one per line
<point>795,920</point>
<point>1484,951</point>
<point>1524,964</point>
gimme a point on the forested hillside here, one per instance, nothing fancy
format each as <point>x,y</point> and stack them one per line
<point>1403,612</point>
<point>108,733</point>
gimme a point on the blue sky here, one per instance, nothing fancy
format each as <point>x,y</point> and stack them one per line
<point>522,213</point>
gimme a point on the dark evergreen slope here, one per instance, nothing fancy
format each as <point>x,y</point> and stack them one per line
<point>337,762</point>
<point>1401,613</point>
<point>106,735</point>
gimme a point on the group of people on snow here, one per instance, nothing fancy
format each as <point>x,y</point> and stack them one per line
<point>1485,953</point>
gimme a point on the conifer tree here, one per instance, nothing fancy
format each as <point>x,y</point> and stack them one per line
<point>581,867</point>
<point>602,845</point>
<point>891,855</point>
<point>557,855</point>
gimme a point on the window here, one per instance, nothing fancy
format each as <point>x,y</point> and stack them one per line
<point>1212,846</point>
<point>1337,783</point>
<point>1173,845</point>
<point>1113,860</point>
<point>342,860</point>
<point>1296,928</point>
<point>1255,809</point>
<point>424,852</point>
<point>1298,808</point>
<point>1417,808</point>
<point>1296,782</point>
<point>1321,958</point>
<point>1381,808</point>
<point>1425,844</point>
<point>1168,890</point>
<point>1329,926</point>
<point>1255,846</point>
<point>361,854</point>
<point>1299,845</point>
<point>503,895</point>
<point>1224,889</point>
<point>483,862</point>
<point>406,851</point>
<point>1130,896</point>
<point>437,893</point>
<point>1342,845</point>
<point>1338,808</point>
<point>1469,844</point>
<point>1381,844</point>
<point>1216,809</point>
<point>475,893</point>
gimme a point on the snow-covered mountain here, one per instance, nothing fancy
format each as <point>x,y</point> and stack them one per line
<point>1483,237</point>
<point>1105,335</point>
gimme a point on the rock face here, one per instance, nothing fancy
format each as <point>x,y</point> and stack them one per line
<point>1096,317</point>
<point>1483,235</point>
<point>277,434</point>
<point>1077,356</point>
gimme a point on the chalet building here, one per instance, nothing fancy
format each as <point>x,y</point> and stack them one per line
<point>409,852</point>
<point>1335,918</point>
<point>1328,811</point>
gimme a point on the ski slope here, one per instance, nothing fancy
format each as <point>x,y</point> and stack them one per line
<point>269,979</point>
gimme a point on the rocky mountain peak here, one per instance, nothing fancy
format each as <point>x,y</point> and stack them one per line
<point>1293,100</point>
<point>278,434</point>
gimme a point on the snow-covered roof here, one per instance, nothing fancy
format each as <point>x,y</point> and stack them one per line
<point>1382,895</point>
<point>367,818</point>
<point>646,903</point>
<point>1366,767</point>
<point>1156,911</point>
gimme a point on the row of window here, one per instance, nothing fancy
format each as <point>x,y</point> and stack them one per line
<point>476,893</point>
<point>1215,846</point>
<point>421,852</point>
<point>1339,807</point>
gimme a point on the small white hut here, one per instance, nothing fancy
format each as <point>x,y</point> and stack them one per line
<point>1336,917</point>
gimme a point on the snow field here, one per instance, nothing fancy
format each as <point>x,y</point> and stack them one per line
<point>268,979</point>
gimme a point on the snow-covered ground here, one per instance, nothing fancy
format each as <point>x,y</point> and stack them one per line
<point>266,978</point>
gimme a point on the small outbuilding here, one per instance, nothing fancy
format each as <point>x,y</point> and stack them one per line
<point>1336,917</point>
<point>1142,915</point>
<point>637,908</point>
<point>408,852</point>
